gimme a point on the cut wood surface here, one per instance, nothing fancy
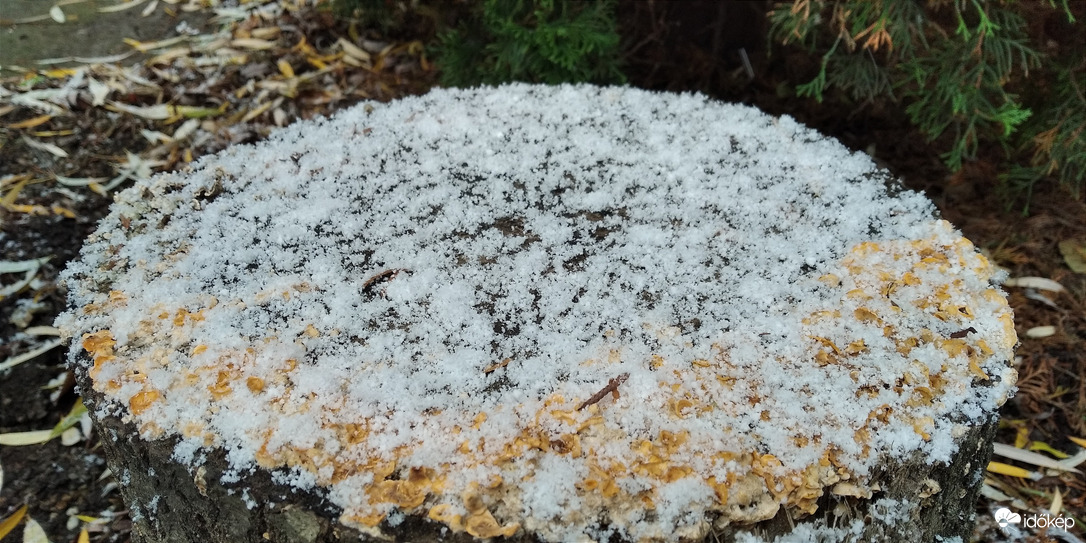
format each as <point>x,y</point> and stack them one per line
<point>540,314</point>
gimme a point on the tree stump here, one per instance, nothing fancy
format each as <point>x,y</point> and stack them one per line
<point>539,314</point>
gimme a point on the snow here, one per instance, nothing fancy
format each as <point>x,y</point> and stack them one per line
<point>421,293</point>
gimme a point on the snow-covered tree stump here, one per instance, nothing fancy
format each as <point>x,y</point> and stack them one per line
<point>541,314</point>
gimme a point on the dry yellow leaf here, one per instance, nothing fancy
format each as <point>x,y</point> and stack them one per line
<point>60,73</point>
<point>257,112</point>
<point>265,33</point>
<point>1042,446</point>
<point>1074,254</point>
<point>9,524</point>
<point>285,68</point>
<point>353,50</point>
<point>253,43</point>
<point>31,122</point>
<point>1013,471</point>
<point>52,133</point>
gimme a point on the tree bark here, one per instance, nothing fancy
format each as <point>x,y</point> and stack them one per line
<point>174,503</point>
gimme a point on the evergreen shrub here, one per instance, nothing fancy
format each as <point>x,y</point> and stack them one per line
<point>537,41</point>
<point>975,71</point>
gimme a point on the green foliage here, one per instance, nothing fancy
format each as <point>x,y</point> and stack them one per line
<point>1056,139</point>
<point>540,41</point>
<point>955,65</point>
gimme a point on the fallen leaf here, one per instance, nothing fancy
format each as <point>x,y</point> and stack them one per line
<point>158,112</point>
<point>144,47</point>
<point>31,122</point>
<point>86,426</point>
<point>168,56</point>
<point>99,91</point>
<point>252,43</point>
<point>193,112</point>
<point>1035,295</point>
<point>1074,254</point>
<point>84,536</point>
<point>1013,471</point>
<point>258,111</point>
<point>285,68</point>
<point>1021,437</point>
<point>51,133</point>
<point>1005,489</point>
<point>57,14</point>
<point>993,494</point>
<point>79,181</point>
<point>1057,503</point>
<point>86,60</point>
<point>70,437</point>
<point>14,266</point>
<point>1042,446</point>
<point>9,199</point>
<point>155,136</point>
<point>33,532</point>
<point>19,439</point>
<point>30,355</point>
<point>1028,457</point>
<point>1038,332</point>
<point>353,50</point>
<point>38,99</point>
<point>9,524</point>
<point>31,268</point>
<point>1034,282</point>
<point>161,112</point>
<point>266,32</point>
<point>186,129</point>
<point>1074,461</point>
<point>70,420</point>
<point>1078,441</point>
<point>120,7</point>
<point>48,147</point>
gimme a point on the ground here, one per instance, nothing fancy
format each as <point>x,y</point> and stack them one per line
<point>268,70</point>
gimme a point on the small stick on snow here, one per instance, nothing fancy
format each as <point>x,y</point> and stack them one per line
<point>611,388</point>
<point>491,368</point>
<point>962,333</point>
<point>381,275</point>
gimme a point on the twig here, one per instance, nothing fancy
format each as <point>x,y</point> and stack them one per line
<point>962,333</point>
<point>612,387</point>
<point>381,275</point>
<point>491,368</point>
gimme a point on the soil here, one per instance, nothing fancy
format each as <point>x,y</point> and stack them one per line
<point>60,481</point>
<point>26,37</point>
